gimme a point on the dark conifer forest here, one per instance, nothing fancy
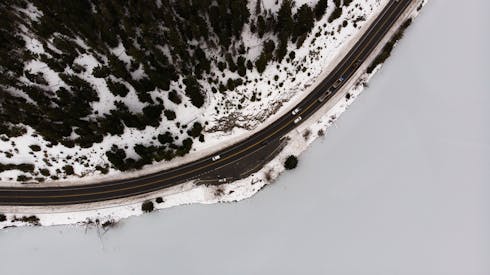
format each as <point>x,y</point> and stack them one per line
<point>164,40</point>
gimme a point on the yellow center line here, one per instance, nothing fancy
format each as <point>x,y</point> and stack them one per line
<point>206,165</point>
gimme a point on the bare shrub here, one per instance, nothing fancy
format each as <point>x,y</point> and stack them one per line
<point>109,224</point>
<point>268,175</point>
<point>306,134</point>
<point>219,192</point>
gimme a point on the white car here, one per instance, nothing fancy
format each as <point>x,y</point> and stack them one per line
<point>215,158</point>
<point>295,111</point>
<point>222,180</point>
<point>298,119</point>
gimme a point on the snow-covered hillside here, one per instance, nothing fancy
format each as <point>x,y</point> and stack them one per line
<point>242,105</point>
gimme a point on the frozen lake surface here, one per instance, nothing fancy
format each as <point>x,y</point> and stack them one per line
<point>402,186</point>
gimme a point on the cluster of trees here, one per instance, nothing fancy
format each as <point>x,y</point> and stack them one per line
<point>386,51</point>
<point>160,38</point>
<point>167,150</point>
<point>287,26</point>
<point>147,154</point>
<point>55,113</point>
<point>25,167</point>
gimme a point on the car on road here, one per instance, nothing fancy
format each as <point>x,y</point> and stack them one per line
<point>298,119</point>
<point>338,82</point>
<point>215,158</point>
<point>325,95</point>
<point>295,111</point>
<point>222,180</point>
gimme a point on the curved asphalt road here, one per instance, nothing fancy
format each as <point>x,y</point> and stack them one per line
<point>26,196</point>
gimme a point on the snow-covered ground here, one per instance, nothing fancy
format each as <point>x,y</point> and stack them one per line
<point>188,193</point>
<point>280,87</point>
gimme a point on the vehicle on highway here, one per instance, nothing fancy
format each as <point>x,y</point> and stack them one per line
<point>222,180</point>
<point>325,95</point>
<point>295,111</point>
<point>215,158</point>
<point>338,82</point>
<point>298,119</point>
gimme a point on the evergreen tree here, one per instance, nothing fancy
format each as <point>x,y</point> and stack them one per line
<point>261,26</point>
<point>193,91</point>
<point>320,8</point>
<point>284,19</point>
<point>258,7</point>
<point>304,21</point>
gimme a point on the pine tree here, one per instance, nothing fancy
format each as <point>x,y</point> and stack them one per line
<point>320,9</point>
<point>258,7</point>
<point>285,21</point>
<point>304,21</point>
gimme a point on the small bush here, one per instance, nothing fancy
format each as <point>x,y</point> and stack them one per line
<point>170,115</point>
<point>291,162</point>
<point>117,88</point>
<point>147,207</point>
<point>34,220</point>
<point>268,175</point>
<point>174,97</point>
<point>196,130</point>
<point>23,178</point>
<point>109,223</point>
<point>165,138</point>
<point>68,169</point>
<point>3,217</point>
<point>103,170</point>
<point>101,71</point>
<point>45,172</point>
<point>35,147</point>
<point>306,134</point>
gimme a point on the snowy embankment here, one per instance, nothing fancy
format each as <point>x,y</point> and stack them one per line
<point>188,193</point>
